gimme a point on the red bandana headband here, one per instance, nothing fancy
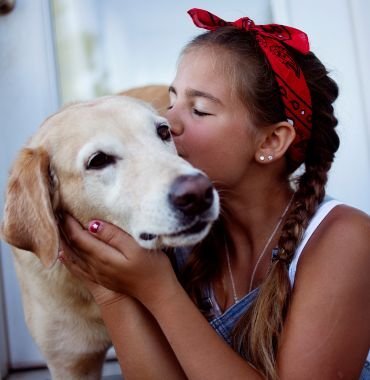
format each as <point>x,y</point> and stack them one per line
<point>295,94</point>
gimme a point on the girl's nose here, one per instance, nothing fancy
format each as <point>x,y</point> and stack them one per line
<point>177,126</point>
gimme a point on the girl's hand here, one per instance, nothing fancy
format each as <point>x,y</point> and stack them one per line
<point>107,257</point>
<point>102,295</point>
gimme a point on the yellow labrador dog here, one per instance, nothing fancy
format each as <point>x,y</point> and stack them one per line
<point>112,158</point>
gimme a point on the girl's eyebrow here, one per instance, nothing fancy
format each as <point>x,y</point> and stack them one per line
<point>192,93</point>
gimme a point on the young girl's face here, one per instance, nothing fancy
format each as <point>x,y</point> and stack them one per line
<point>211,127</point>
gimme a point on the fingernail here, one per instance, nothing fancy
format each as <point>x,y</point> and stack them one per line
<point>95,226</point>
<point>61,257</point>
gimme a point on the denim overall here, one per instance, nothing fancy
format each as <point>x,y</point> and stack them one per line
<point>224,322</point>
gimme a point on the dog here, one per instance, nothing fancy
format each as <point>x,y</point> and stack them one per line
<point>112,158</point>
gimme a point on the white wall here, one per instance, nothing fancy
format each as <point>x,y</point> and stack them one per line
<point>129,47</point>
<point>28,93</point>
<point>3,334</point>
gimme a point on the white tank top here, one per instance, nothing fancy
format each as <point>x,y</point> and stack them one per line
<point>323,210</point>
<point>319,216</point>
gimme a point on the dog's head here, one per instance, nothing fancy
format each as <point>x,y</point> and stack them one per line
<point>111,159</point>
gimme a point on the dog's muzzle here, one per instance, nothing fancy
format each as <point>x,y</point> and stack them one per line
<point>192,199</point>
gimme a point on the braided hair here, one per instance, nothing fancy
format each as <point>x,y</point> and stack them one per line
<point>256,335</point>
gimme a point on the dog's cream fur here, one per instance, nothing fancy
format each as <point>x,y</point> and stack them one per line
<point>132,192</point>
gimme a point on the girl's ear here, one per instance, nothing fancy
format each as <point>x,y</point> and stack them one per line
<point>275,142</point>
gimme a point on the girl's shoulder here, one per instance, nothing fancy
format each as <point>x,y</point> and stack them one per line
<point>339,246</point>
<point>333,223</point>
<point>348,224</point>
<point>330,304</point>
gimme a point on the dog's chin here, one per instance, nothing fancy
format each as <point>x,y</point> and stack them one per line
<point>178,239</point>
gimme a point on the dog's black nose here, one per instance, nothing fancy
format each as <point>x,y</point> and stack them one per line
<point>191,194</point>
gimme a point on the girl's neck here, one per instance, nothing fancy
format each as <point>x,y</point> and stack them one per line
<point>250,217</point>
<point>251,229</point>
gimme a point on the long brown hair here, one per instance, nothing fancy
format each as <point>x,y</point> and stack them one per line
<point>256,336</point>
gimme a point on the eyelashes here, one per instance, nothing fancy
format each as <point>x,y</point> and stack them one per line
<point>200,113</point>
<point>195,111</point>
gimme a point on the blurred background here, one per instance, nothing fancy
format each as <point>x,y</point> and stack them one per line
<point>56,51</point>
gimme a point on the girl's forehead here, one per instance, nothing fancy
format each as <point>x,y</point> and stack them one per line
<point>207,69</point>
<point>201,64</point>
<point>201,55</point>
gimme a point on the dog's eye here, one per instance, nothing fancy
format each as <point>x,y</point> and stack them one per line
<point>100,160</point>
<point>163,131</point>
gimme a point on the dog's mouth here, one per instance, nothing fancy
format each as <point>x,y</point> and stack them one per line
<point>195,228</point>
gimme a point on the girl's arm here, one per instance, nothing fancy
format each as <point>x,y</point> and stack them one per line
<point>326,334</point>
<point>141,348</point>
<point>178,334</point>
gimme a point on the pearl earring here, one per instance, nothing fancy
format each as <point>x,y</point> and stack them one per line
<point>262,158</point>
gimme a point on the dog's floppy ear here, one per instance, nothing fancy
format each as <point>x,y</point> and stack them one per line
<point>29,222</point>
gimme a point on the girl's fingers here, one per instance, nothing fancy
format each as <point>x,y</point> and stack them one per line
<point>112,235</point>
<point>75,265</point>
<point>84,241</point>
<point>110,257</point>
<point>72,261</point>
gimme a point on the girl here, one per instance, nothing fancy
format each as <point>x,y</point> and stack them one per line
<point>280,287</point>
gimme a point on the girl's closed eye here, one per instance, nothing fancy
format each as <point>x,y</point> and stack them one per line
<point>200,113</point>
